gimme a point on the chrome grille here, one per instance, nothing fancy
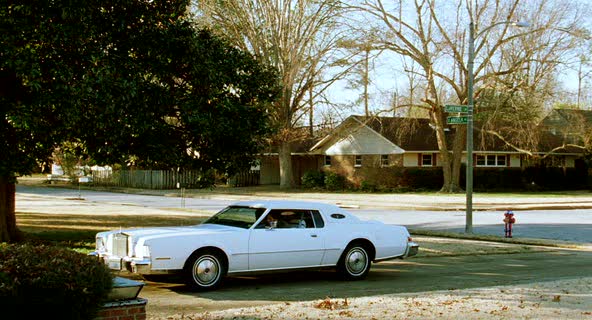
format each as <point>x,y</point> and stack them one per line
<point>120,244</point>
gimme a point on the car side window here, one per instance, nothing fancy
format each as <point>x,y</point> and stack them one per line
<point>287,219</point>
<point>318,219</point>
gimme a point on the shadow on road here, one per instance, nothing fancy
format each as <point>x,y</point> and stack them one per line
<point>412,275</point>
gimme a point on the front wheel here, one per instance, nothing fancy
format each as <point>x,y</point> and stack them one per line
<point>354,263</point>
<point>204,271</point>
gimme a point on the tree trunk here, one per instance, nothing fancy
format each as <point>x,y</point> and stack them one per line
<point>285,157</point>
<point>8,229</point>
<point>451,164</point>
<point>450,167</point>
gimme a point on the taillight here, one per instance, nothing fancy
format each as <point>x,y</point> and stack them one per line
<point>409,239</point>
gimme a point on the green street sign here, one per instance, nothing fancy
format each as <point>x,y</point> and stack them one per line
<point>455,108</point>
<point>457,120</point>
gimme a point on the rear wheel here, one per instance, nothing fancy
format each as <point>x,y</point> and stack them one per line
<point>355,262</point>
<point>204,270</point>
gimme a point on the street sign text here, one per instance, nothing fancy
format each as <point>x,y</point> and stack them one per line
<point>457,120</point>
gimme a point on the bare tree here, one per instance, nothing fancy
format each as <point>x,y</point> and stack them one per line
<point>433,36</point>
<point>363,54</point>
<point>584,71</point>
<point>295,36</point>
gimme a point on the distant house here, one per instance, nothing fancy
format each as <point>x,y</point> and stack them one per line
<point>302,161</point>
<point>369,149</point>
<point>562,134</point>
<point>363,149</point>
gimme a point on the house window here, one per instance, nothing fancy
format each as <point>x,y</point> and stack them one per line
<point>426,160</point>
<point>327,160</point>
<point>480,161</point>
<point>384,160</point>
<point>358,162</point>
<point>491,160</point>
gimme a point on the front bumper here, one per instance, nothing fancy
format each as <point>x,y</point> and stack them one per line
<point>134,265</point>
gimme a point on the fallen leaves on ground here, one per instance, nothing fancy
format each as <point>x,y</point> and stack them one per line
<point>332,305</point>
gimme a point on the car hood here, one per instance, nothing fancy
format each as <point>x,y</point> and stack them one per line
<point>157,232</point>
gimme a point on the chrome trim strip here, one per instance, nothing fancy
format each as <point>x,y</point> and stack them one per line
<point>277,269</point>
<point>290,251</point>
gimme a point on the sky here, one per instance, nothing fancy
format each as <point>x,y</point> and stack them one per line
<point>388,76</point>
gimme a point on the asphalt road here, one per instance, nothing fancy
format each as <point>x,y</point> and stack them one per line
<point>391,277</point>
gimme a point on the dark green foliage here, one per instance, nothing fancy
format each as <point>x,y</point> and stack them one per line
<point>127,82</point>
<point>496,179</point>
<point>552,178</point>
<point>334,181</point>
<point>368,186</point>
<point>422,178</point>
<point>51,282</point>
<point>313,179</point>
<point>132,82</point>
<point>529,179</point>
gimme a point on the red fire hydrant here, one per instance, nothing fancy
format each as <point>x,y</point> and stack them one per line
<point>509,220</point>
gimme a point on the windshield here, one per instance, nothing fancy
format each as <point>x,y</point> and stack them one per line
<point>236,216</point>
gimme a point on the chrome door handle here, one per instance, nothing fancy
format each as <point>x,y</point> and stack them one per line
<point>313,235</point>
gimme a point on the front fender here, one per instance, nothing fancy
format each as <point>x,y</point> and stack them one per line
<point>171,253</point>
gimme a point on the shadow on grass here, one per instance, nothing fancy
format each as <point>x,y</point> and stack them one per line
<point>78,231</point>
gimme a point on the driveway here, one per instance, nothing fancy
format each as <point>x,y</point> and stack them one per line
<point>416,277</point>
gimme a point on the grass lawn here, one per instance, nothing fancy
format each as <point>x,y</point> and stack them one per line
<point>78,233</point>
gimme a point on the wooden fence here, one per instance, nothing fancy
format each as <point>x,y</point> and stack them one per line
<point>147,179</point>
<point>245,179</point>
<point>163,179</point>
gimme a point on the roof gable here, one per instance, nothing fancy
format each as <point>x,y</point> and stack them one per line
<point>411,134</point>
<point>362,140</point>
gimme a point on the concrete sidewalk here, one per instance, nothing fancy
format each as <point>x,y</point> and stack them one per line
<point>398,201</point>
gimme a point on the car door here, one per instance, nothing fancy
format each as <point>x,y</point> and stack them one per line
<point>295,242</point>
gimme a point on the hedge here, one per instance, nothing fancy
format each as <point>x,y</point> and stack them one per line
<point>52,282</point>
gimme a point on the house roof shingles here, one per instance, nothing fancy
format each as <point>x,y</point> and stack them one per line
<point>417,134</point>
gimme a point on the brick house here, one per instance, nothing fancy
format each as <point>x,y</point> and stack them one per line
<point>376,148</point>
<point>363,148</point>
<point>302,161</point>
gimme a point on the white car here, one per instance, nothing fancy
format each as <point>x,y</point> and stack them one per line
<point>257,236</point>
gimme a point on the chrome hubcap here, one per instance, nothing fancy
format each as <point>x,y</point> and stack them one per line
<point>206,270</point>
<point>357,261</point>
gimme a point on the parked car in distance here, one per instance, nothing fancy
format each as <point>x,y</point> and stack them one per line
<point>257,236</point>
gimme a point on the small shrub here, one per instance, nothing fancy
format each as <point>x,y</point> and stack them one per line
<point>313,179</point>
<point>51,281</point>
<point>368,186</point>
<point>401,189</point>
<point>334,181</point>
